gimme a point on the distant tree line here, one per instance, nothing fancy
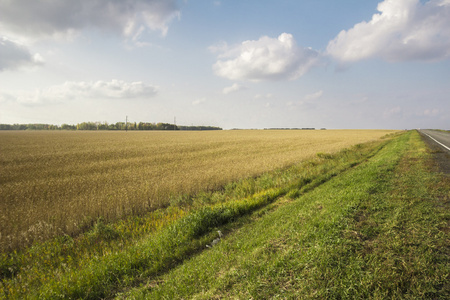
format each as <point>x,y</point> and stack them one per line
<point>198,128</point>
<point>105,126</point>
<point>35,127</point>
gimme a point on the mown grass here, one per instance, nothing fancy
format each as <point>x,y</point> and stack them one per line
<point>377,231</point>
<point>113,256</point>
<point>56,183</point>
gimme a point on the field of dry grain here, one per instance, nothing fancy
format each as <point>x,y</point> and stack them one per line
<point>61,181</point>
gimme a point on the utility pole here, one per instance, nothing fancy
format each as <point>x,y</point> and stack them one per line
<point>174,123</point>
<point>126,123</point>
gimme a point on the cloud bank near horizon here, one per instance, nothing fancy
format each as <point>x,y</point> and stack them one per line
<point>114,89</point>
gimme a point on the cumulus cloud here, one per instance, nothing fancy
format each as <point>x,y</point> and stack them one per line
<point>39,19</point>
<point>13,55</point>
<point>404,30</point>
<point>234,88</point>
<point>114,89</point>
<point>392,112</point>
<point>265,59</point>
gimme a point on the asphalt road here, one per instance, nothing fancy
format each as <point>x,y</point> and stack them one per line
<point>439,143</point>
<point>440,137</point>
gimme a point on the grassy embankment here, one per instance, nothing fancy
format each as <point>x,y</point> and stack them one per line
<point>363,222</point>
<point>377,231</point>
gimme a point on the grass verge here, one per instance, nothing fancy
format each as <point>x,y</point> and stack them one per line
<point>377,231</point>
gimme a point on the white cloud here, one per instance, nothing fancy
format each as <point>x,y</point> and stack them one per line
<point>114,89</point>
<point>403,30</point>
<point>392,112</point>
<point>431,112</point>
<point>314,96</point>
<point>117,89</point>
<point>198,101</point>
<point>221,46</point>
<point>265,59</point>
<point>234,88</point>
<point>13,55</point>
<point>266,96</point>
<point>308,101</point>
<point>5,97</point>
<point>37,19</point>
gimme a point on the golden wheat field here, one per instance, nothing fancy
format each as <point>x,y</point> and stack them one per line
<point>54,182</point>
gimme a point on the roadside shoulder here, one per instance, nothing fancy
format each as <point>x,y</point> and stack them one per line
<point>440,156</point>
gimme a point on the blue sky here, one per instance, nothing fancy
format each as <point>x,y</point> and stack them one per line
<point>233,64</point>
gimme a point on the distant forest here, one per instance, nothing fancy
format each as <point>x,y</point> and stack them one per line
<point>105,126</point>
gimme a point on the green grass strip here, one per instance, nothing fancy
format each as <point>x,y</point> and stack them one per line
<point>378,231</point>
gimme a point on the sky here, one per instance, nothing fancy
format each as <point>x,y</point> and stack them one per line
<point>228,63</point>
